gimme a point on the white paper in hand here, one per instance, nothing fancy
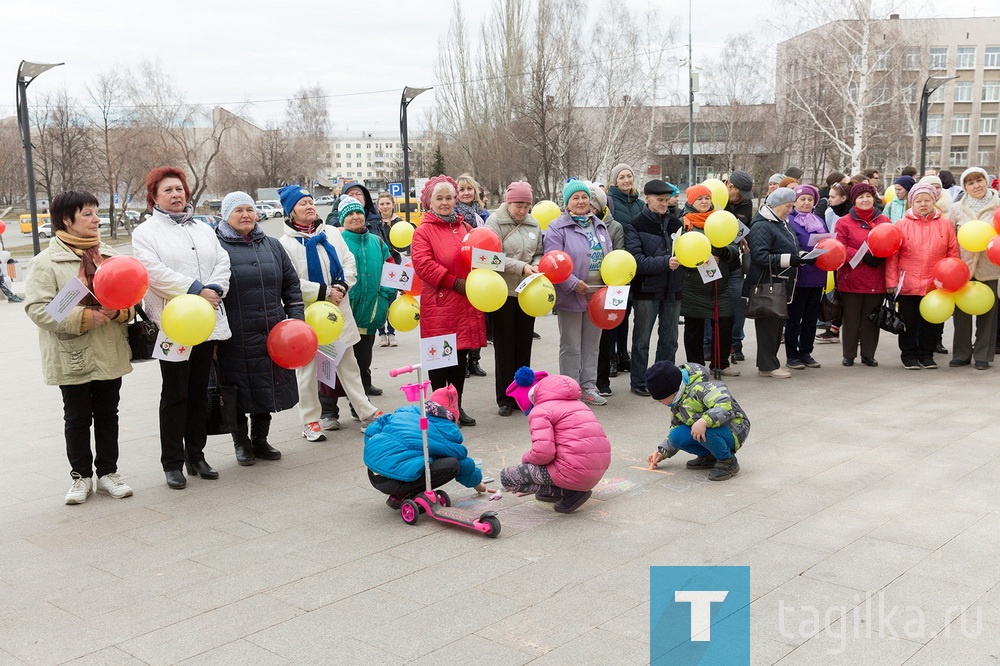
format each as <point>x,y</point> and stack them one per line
<point>616,298</point>
<point>859,255</point>
<point>709,270</point>
<point>526,281</point>
<point>67,299</point>
<point>395,276</point>
<point>488,259</point>
<point>166,349</point>
<point>439,352</point>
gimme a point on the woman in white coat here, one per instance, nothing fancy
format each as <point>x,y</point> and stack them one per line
<point>326,271</point>
<point>183,256</point>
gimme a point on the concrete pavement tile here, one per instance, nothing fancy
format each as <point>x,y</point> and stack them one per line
<point>549,574</point>
<point>246,580</point>
<point>237,652</point>
<point>484,650</point>
<point>867,564</point>
<point>444,579</point>
<point>110,656</point>
<point>802,607</point>
<point>829,530</point>
<point>929,525</point>
<point>323,630</point>
<point>598,646</point>
<point>123,621</point>
<point>978,568</point>
<point>765,651</point>
<point>781,563</point>
<point>344,581</point>
<point>207,631</point>
<point>960,645</point>
<point>441,624</point>
<point>632,624</point>
<point>854,475</point>
<point>839,645</point>
<point>929,604</point>
<point>29,636</point>
<point>720,540</point>
<point>798,502</point>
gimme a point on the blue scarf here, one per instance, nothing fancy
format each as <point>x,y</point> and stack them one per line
<point>312,245</point>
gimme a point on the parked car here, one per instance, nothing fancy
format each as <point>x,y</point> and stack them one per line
<point>325,200</point>
<point>210,220</point>
<point>267,210</point>
<point>25,221</point>
<point>276,205</point>
<point>104,222</point>
<point>45,230</point>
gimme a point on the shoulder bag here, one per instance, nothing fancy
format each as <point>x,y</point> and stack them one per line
<point>768,300</point>
<point>142,334</point>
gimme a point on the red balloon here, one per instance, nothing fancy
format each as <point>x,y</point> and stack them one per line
<point>120,282</point>
<point>556,265</point>
<point>482,238</point>
<point>3,227</point>
<point>834,258</point>
<point>603,318</point>
<point>292,344</point>
<point>884,240</point>
<point>996,221</point>
<point>416,284</point>
<point>993,249</point>
<point>950,274</point>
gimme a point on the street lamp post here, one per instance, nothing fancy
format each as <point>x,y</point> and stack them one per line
<point>930,85</point>
<point>409,94</point>
<point>26,73</point>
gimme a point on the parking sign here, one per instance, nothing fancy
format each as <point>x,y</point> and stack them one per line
<point>396,189</point>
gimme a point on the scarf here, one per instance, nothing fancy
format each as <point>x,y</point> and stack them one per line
<point>694,219</point>
<point>977,205</point>
<point>89,251</point>
<point>808,221</point>
<point>471,213</point>
<point>308,228</point>
<point>582,220</point>
<point>313,264</point>
<point>841,209</point>
<point>864,215</point>
<point>181,217</point>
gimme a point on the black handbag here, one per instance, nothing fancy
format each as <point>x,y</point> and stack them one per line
<point>887,318</point>
<point>142,334</point>
<point>222,412</point>
<point>768,300</point>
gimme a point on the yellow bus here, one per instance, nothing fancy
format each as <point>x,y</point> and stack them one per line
<point>43,218</point>
<point>416,210</point>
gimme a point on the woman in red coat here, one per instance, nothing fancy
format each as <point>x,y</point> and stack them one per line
<point>444,308</point>
<point>861,288</point>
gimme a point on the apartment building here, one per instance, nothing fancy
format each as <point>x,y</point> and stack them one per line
<point>374,158</point>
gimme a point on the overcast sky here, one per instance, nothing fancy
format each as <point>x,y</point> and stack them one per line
<point>362,53</point>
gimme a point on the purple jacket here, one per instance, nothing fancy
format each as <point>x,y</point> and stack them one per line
<point>809,276</point>
<point>566,235</point>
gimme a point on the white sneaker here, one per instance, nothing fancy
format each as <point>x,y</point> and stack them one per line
<point>780,373</point>
<point>592,397</point>
<point>383,341</point>
<point>371,419</point>
<point>730,372</point>
<point>329,423</point>
<point>80,490</point>
<point>392,341</point>
<point>313,433</point>
<point>112,484</point>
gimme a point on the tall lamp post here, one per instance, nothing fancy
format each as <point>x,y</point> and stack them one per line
<point>409,94</point>
<point>930,85</point>
<point>26,73</point>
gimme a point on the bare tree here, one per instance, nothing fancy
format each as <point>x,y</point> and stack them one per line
<point>62,145</point>
<point>307,128</point>
<point>13,186</point>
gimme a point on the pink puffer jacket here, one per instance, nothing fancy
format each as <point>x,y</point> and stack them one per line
<point>566,436</point>
<point>926,241</point>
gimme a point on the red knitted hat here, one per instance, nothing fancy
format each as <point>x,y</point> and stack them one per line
<point>696,191</point>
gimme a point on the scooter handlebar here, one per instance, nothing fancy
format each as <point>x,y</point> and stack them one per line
<point>401,371</point>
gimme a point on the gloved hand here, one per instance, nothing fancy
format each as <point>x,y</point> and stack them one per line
<point>800,260</point>
<point>870,260</point>
<point>459,286</point>
<point>666,449</point>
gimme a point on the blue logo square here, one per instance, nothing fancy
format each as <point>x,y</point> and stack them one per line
<point>699,615</point>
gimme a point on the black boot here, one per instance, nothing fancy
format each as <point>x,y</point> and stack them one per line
<point>550,494</point>
<point>613,370</point>
<point>624,362</point>
<point>241,440</point>
<point>259,427</point>
<point>724,469</point>
<point>572,500</point>
<point>463,418</point>
<point>475,369</point>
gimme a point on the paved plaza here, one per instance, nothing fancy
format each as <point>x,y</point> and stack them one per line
<point>866,508</point>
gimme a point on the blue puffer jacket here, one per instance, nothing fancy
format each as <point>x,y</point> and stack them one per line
<point>395,449</point>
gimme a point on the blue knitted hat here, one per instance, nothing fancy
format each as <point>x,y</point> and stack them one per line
<point>571,187</point>
<point>348,207</point>
<point>290,195</point>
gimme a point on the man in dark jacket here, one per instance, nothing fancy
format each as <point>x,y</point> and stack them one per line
<point>656,288</point>
<point>740,186</point>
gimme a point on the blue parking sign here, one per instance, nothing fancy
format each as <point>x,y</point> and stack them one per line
<point>396,189</point>
<point>699,615</point>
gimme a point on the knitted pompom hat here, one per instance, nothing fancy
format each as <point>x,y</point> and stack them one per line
<point>524,380</point>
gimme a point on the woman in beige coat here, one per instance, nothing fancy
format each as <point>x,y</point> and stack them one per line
<point>87,353</point>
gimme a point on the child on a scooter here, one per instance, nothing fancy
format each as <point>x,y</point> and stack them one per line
<point>394,450</point>
<point>570,451</point>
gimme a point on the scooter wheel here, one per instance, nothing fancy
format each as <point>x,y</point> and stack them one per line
<point>443,498</point>
<point>494,524</point>
<point>410,512</point>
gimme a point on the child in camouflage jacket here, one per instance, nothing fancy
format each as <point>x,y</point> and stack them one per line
<point>705,418</point>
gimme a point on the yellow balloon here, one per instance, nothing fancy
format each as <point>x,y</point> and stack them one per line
<point>692,248</point>
<point>830,283</point>
<point>485,289</point>
<point>721,228</point>
<point>975,235</point>
<point>404,313</point>
<point>538,298</point>
<point>890,194</point>
<point>937,306</point>
<point>975,298</point>
<point>401,234</point>
<point>544,212</point>
<point>720,194</point>
<point>618,268</point>
<point>326,319</point>
<point>188,319</point>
